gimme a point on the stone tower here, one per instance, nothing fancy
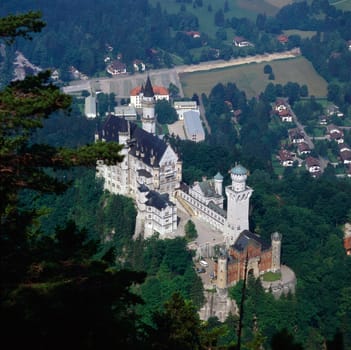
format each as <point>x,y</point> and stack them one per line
<point>238,197</point>
<point>218,180</point>
<point>276,249</point>
<point>148,103</point>
<point>222,272</point>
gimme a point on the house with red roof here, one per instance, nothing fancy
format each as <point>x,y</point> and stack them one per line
<point>286,158</point>
<point>296,135</point>
<point>313,166</point>
<point>335,134</point>
<point>283,39</point>
<point>303,149</point>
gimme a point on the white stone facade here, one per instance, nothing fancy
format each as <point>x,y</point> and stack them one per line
<point>156,213</point>
<point>206,201</point>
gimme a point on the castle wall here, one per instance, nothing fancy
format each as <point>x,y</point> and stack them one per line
<point>215,219</point>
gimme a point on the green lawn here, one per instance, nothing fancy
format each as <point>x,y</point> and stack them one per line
<point>271,276</point>
<point>344,5</point>
<point>251,79</point>
<point>318,131</point>
<point>277,167</point>
<point>237,8</point>
<point>302,33</point>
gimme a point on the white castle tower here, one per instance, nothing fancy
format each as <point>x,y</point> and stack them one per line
<point>238,197</point>
<point>218,181</point>
<point>276,249</point>
<point>148,103</point>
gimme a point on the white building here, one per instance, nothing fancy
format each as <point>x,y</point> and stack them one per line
<point>184,106</point>
<point>206,201</point>
<point>147,160</point>
<point>148,163</point>
<point>136,95</point>
<point>156,213</point>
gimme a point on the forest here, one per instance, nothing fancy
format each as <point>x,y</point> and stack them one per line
<point>69,265</point>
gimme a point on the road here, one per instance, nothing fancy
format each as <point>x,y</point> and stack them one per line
<point>121,85</point>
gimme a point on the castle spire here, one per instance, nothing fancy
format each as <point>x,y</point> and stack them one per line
<point>148,90</point>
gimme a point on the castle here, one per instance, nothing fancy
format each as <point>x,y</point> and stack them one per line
<point>150,171</point>
<point>151,174</point>
<point>205,200</point>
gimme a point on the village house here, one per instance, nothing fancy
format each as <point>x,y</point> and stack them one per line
<point>285,116</point>
<point>333,110</point>
<point>193,34</point>
<point>139,66</point>
<point>116,68</point>
<point>240,41</point>
<point>283,39</point>
<point>323,119</point>
<point>345,153</point>
<point>286,158</point>
<point>313,166</point>
<point>335,134</point>
<point>303,149</point>
<point>296,135</point>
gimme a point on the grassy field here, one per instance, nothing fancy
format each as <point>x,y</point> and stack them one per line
<point>302,33</point>
<point>237,8</point>
<point>251,79</point>
<point>344,5</point>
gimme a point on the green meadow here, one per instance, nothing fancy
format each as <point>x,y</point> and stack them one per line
<point>251,79</point>
<point>237,8</point>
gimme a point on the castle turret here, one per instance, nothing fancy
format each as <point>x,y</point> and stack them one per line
<point>148,104</point>
<point>276,250</point>
<point>222,275</point>
<point>238,197</point>
<point>218,180</point>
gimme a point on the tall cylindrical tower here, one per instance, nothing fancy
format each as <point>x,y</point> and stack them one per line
<point>276,250</point>
<point>148,104</point>
<point>238,201</point>
<point>218,180</point>
<point>222,273</point>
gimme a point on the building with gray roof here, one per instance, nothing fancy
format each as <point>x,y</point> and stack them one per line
<point>90,107</point>
<point>194,130</point>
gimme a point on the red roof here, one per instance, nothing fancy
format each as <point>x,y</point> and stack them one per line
<point>158,90</point>
<point>283,38</point>
<point>347,245</point>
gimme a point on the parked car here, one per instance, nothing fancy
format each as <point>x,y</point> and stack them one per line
<point>203,263</point>
<point>201,270</point>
